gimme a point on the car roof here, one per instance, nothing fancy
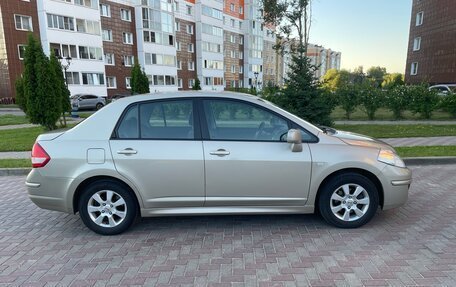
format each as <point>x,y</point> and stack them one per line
<point>188,94</point>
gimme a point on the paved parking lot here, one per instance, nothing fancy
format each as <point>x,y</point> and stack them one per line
<point>412,245</point>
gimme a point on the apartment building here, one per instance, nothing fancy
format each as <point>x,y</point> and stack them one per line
<point>17,20</point>
<point>223,43</point>
<point>431,56</point>
<point>324,59</point>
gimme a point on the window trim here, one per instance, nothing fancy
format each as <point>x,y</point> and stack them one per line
<point>30,19</point>
<point>197,134</point>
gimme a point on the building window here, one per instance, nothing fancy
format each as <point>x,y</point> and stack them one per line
<point>179,64</point>
<point>105,10</point>
<point>21,50</point>
<point>414,69</point>
<point>178,46</point>
<point>128,82</point>
<point>72,78</point>
<point>231,7</point>
<point>232,22</point>
<point>127,38</point>
<point>107,35</point>
<point>60,22</point>
<point>419,18</point>
<point>109,59</point>
<point>190,29</point>
<point>241,55</point>
<point>241,10</point>
<point>93,79</point>
<point>189,10</point>
<point>125,15</point>
<point>232,54</point>
<point>90,53</point>
<point>191,82</point>
<point>88,3</point>
<point>177,26</point>
<point>111,82</point>
<point>241,69</point>
<point>23,23</point>
<point>89,27</point>
<point>232,39</point>
<point>417,44</point>
<point>191,65</point>
<point>241,40</point>
<point>190,48</point>
<point>233,69</point>
<point>128,61</point>
<point>179,83</point>
<point>240,24</point>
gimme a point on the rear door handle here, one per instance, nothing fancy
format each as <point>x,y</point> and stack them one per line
<point>127,151</point>
<point>220,152</point>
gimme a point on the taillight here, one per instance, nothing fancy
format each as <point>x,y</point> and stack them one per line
<point>39,156</point>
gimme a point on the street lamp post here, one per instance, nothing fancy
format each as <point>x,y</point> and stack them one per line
<point>66,65</point>
<point>256,82</point>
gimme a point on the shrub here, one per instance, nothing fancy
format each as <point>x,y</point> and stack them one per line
<point>397,100</point>
<point>448,104</point>
<point>371,99</point>
<point>197,85</point>
<point>423,101</point>
<point>348,98</point>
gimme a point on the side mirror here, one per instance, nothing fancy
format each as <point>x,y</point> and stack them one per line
<point>294,137</point>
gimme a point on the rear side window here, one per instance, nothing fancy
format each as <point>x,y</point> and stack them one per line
<point>167,120</point>
<point>128,128</point>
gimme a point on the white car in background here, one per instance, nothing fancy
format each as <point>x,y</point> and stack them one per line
<point>444,90</point>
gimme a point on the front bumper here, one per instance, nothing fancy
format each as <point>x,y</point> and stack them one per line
<point>396,182</point>
<point>49,192</point>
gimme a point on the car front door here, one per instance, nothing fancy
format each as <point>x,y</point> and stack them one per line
<point>158,147</point>
<point>247,163</point>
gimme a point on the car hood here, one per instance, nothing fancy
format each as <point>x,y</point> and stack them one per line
<point>360,140</point>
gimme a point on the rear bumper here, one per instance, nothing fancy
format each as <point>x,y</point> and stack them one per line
<point>49,192</point>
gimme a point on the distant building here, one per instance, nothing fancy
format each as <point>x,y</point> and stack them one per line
<point>432,43</point>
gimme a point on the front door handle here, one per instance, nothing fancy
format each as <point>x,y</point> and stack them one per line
<point>127,151</point>
<point>220,152</point>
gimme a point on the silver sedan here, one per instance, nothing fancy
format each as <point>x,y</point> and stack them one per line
<point>197,153</point>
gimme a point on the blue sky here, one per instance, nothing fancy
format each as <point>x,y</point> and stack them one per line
<point>367,32</point>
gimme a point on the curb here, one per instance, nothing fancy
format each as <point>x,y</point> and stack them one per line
<point>436,160</point>
<point>409,161</point>
<point>14,171</point>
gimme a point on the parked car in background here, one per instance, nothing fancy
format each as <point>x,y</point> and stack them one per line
<point>444,90</point>
<point>119,96</point>
<point>201,153</point>
<point>87,102</point>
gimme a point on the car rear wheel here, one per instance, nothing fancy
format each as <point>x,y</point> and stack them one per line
<point>107,207</point>
<point>349,200</point>
<point>99,106</point>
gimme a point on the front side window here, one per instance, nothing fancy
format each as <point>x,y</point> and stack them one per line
<point>239,121</point>
<point>167,120</point>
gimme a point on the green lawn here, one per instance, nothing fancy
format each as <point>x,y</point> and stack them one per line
<point>21,139</point>
<point>13,163</point>
<point>9,106</point>
<point>400,131</point>
<point>6,120</point>
<point>426,151</point>
<point>383,114</point>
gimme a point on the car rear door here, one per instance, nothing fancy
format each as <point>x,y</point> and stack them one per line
<point>247,163</point>
<point>157,146</point>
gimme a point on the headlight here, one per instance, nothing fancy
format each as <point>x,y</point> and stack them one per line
<point>391,158</point>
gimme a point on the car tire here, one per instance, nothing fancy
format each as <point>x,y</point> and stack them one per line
<point>348,200</point>
<point>99,106</point>
<point>107,207</point>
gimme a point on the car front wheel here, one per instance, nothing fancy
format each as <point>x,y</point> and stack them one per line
<point>348,200</point>
<point>107,207</point>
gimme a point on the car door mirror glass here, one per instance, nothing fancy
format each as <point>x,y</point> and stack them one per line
<point>294,137</point>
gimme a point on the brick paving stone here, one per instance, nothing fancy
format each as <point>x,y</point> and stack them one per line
<point>414,245</point>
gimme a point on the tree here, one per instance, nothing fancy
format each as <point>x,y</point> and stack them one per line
<point>196,85</point>
<point>423,101</point>
<point>29,75</point>
<point>377,74</point>
<point>43,102</point>
<point>139,82</point>
<point>21,101</point>
<point>392,80</point>
<point>397,100</point>
<point>60,86</point>
<point>334,79</point>
<point>348,99</point>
